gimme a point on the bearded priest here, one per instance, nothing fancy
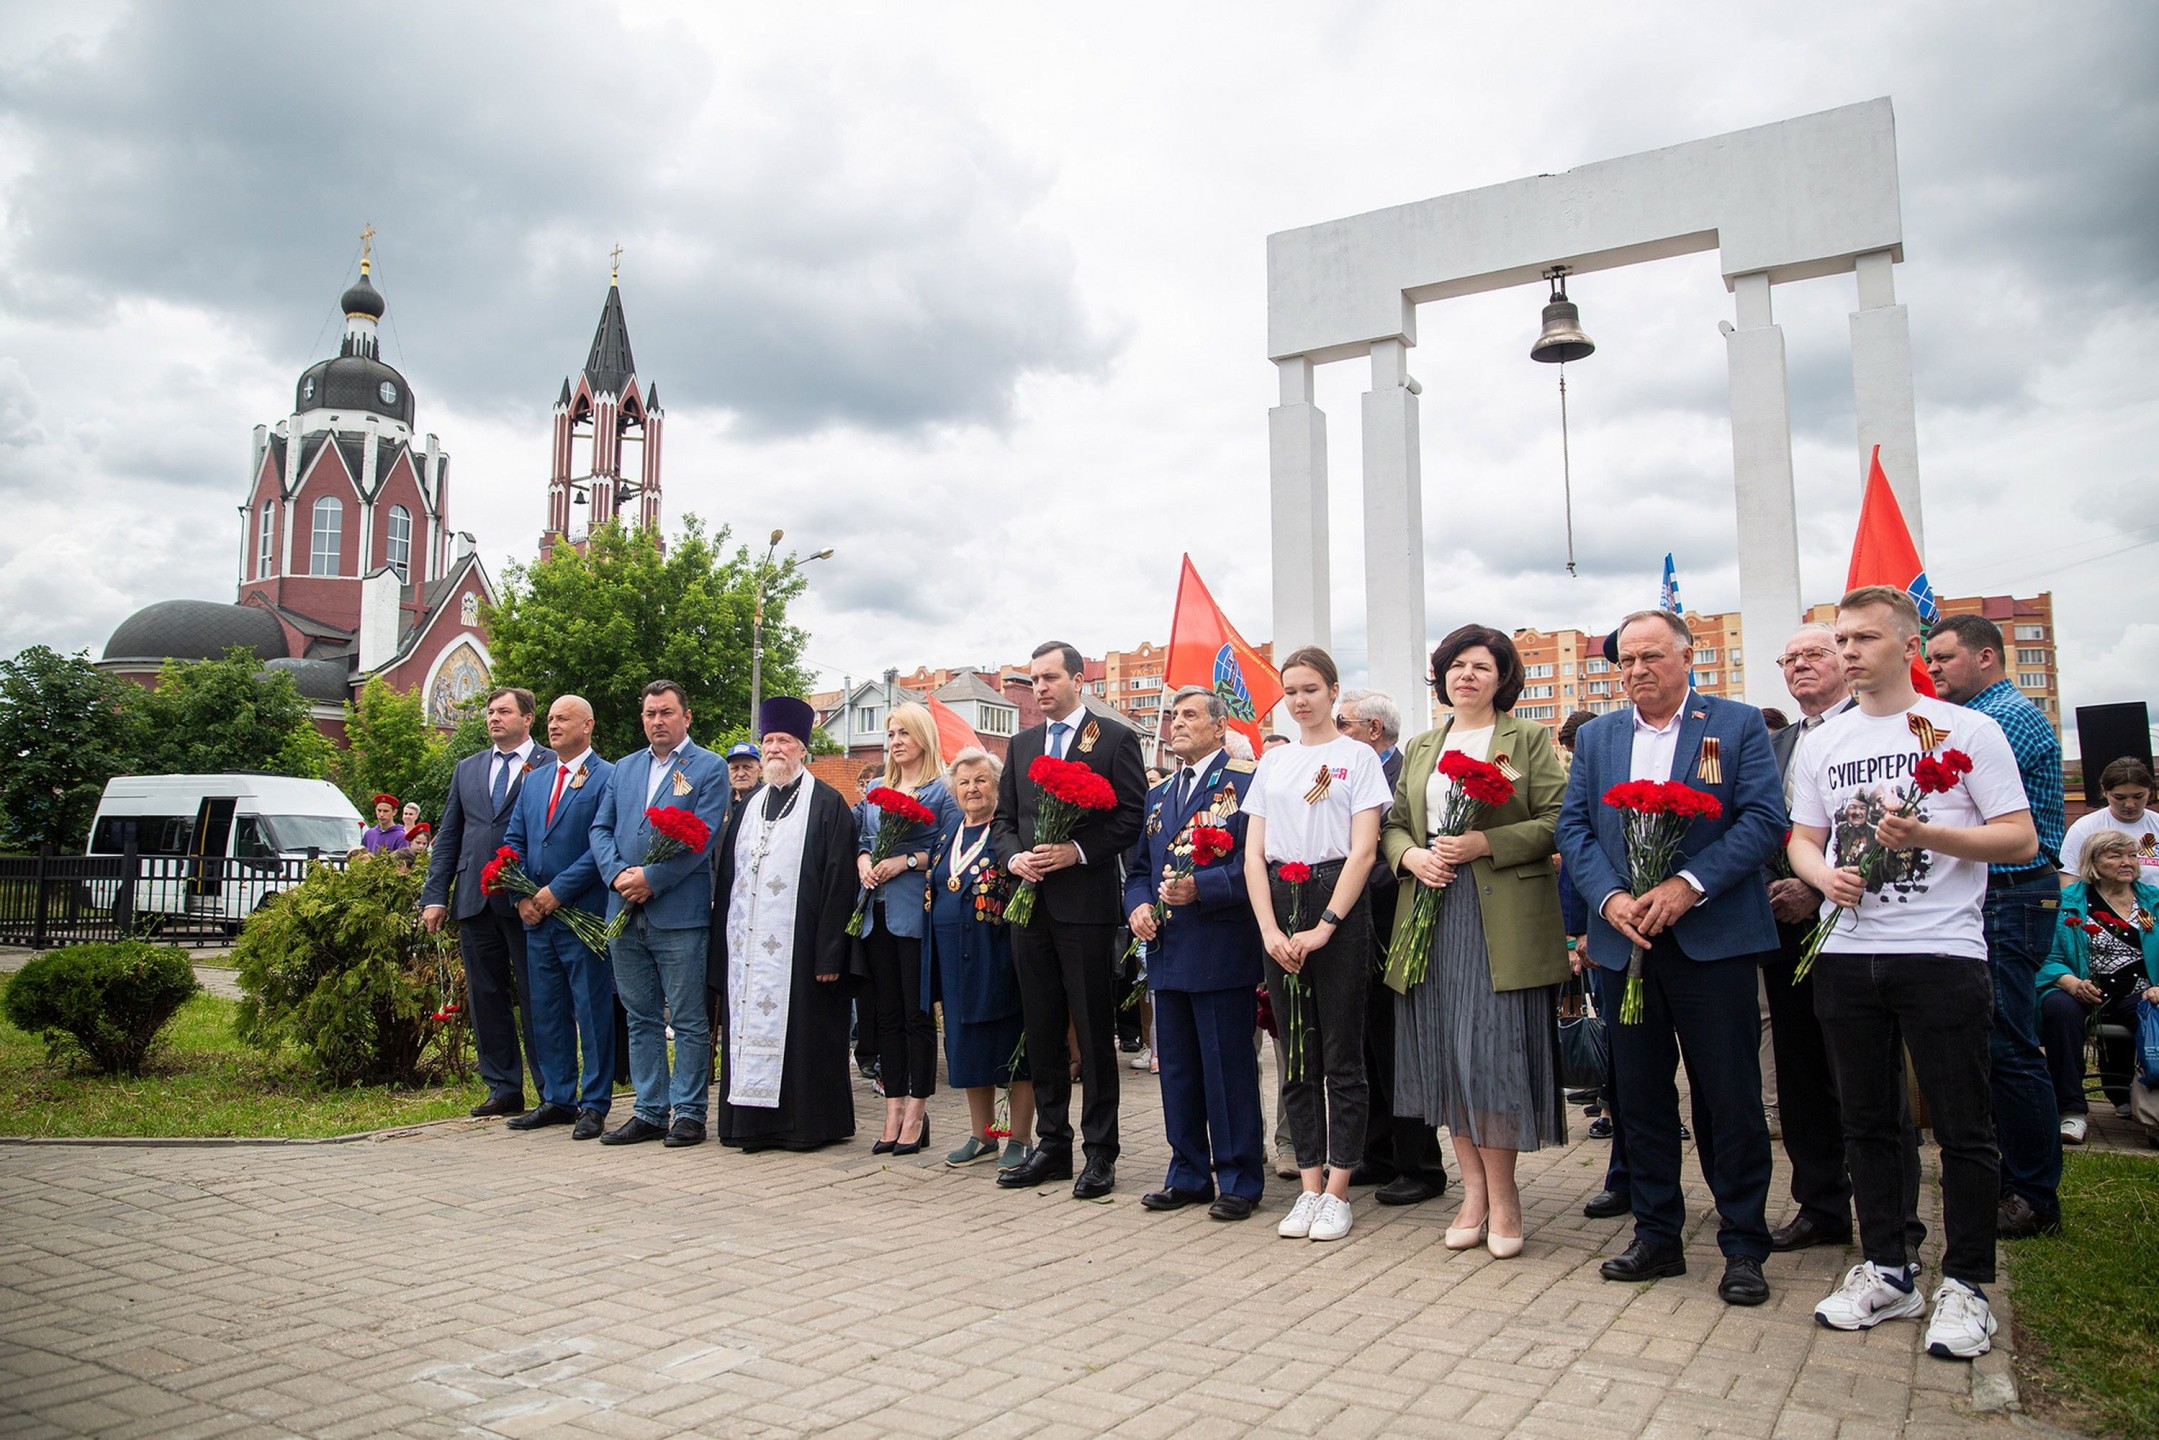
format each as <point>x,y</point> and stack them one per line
<point>779,950</point>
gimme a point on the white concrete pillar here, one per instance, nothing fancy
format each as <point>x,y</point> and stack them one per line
<point>1297,470</point>
<point>1393,532</point>
<point>1769,600</point>
<point>1882,387</point>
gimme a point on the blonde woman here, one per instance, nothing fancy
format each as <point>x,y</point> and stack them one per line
<point>894,925</point>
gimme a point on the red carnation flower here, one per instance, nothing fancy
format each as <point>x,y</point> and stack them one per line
<point>680,826</point>
<point>1958,762</point>
<point>1296,872</point>
<point>1932,776</point>
<point>901,805</point>
<point>1211,843</point>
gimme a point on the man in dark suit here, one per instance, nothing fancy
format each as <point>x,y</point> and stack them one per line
<point>1401,1152</point>
<point>1203,967</point>
<point>573,988</point>
<point>1066,956</point>
<point>490,937</point>
<point>1704,932</point>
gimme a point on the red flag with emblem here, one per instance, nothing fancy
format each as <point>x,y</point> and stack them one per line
<point>1883,554</point>
<point>1206,650</point>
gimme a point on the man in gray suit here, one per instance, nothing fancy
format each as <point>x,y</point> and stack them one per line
<point>490,937</point>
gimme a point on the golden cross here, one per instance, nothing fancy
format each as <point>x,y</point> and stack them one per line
<point>367,238</point>
<point>614,257</point>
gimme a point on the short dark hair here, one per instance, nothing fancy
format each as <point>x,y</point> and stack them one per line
<point>525,703</point>
<point>1468,637</point>
<point>666,687</point>
<point>1066,652</point>
<point>1572,724</point>
<point>1976,631</point>
<point>2126,771</point>
<point>1312,658</point>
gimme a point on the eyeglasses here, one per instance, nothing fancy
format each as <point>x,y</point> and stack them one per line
<point>1812,652</point>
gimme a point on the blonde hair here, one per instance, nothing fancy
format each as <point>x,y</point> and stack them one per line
<point>2105,843</point>
<point>915,720</point>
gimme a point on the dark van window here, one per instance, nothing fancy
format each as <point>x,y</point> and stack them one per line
<point>154,834</point>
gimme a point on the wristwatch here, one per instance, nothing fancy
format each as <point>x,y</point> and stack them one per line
<point>914,860</point>
<point>1330,917</point>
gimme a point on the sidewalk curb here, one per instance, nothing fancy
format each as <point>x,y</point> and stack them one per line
<point>228,1142</point>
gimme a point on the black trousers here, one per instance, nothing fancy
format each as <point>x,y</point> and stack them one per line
<point>498,994</point>
<point>1329,1098</point>
<point>2062,1018</point>
<point>906,1033</point>
<point>1393,1144</point>
<point>1941,1008</point>
<point>1068,976</point>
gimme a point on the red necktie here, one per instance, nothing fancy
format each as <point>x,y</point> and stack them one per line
<point>562,773</point>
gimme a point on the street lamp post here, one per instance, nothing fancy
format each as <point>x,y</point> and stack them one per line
<point>765,575</point>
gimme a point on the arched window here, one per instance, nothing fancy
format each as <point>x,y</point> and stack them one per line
<point>329,535</point>
<point>265,542</point>
<point>398,550</point>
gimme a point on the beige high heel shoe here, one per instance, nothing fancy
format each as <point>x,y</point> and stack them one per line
<point>1467,1237</point>
<point>1503,1247</point>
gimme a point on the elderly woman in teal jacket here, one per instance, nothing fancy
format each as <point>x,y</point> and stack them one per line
<point>2105,958</point>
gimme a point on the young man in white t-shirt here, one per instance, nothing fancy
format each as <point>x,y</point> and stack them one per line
<point>1909,961</point>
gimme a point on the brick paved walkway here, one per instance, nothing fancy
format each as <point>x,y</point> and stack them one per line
<point>468,1280</point>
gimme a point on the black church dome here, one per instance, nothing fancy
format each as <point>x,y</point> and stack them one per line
<point>362,299</point>
<point>354,384</point>
<point>196,630</point>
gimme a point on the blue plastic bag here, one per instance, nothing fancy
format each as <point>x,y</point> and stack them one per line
<point>2148,1043</point>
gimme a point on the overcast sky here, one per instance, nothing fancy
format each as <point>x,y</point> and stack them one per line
<point>975,294</point>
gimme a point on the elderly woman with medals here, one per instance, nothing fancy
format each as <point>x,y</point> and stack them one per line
<point>784,892</point>
<point>967,965</point>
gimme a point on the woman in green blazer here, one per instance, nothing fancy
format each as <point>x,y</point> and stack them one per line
<point>1476,1043</point>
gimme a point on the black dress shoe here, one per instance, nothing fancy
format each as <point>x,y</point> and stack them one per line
<point>500,1105</point>
<point>1601,1128</point>
<point>1742,1283</point>
<point>2016,1219</point>
<point>1231,1207</point>
<point>589,1125</point>
<point>1582,1097</point>
<point>1039,1168</point>
<point>1408,1190</point>
<point>545,1115</point>
<point>1604,1205</point>
<point>1803,1232</point>
<point>1168,1199</point>
<point>1097,1180</point>
<point>1367,1174</point>
<point>633,1131</point>
<point>685,1131</point>
<point>1644,1261</point>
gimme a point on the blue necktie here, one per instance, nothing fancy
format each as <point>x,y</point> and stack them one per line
<point>1058,731</point>
<point>502,777</point>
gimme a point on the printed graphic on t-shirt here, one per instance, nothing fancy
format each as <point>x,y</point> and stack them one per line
<point>1899,874</point>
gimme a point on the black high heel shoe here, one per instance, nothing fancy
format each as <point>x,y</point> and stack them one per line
<point>914,1146</point>
<point>883,1147</point>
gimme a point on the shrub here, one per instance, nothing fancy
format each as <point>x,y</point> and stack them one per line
<point>108,1001</point>
<point>340,968</point>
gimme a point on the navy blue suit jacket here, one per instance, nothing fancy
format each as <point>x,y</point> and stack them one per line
<point>471,833</point>
<point>558,853</point>
<point>1213,944</point>
<point>1726,854</point>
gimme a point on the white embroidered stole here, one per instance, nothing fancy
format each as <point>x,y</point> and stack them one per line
<point>761,909</point>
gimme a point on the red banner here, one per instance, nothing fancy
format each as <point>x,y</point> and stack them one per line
<point>1206,650</point>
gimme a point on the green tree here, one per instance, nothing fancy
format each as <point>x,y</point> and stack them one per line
<point>389,746</point>
<point>432,789</point>
<point>210,716</point>
<point>65,730</point>
<point>604,623</point>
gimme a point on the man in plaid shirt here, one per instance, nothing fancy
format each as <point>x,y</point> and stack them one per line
<point>1966,658</point>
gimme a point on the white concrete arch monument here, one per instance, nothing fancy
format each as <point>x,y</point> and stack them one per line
<point>1790,201</point>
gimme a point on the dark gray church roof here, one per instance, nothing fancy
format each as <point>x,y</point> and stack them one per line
<point>327,680</point>
<point>195,630</point>
<point>610,365</point>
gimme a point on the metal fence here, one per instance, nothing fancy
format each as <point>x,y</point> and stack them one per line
<point>52,900</point>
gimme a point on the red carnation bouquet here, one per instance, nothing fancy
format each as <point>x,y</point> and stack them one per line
<point>1069,792</point>
<point>1199,845</point>
<point>897,813</point>
<point>1296,990</point>
<point>506,872</point>
<point>1930,776</point>
<point>1479,788</point>
<point>1657,814</point>
<point>674,832</point>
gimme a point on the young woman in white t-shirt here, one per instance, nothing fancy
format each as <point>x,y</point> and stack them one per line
<point>1317,804</point>
<point>2128,788</point>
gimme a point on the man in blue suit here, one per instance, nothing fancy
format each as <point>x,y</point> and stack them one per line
<point>1203,967</point>
<point>490,940</point>
<point>660,954</point>
<point>573,989</point>
<point>1704,930</point>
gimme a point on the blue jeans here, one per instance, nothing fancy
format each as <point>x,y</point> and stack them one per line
<point>573,1016</point>
<point>2020,921</point>
<point>660,975</point>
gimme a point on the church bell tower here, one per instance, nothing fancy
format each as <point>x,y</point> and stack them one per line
<point>601,412</point>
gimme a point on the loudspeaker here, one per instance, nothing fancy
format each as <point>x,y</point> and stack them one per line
<point>2105,733</point>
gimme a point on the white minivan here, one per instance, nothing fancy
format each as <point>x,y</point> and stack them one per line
<point>212,847</point>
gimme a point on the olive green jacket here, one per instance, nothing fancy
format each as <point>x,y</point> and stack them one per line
<point>1517,886</point>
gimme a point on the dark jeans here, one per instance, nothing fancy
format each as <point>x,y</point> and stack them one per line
<point>1940,1008</point>
<point>498,994</point>
<point>1708,1010</point>
<point>1068,976</point>
<point>906,1033</point>
<point>2020,921</point>
<point>2062,1018</point>
<point>1329,1099</point>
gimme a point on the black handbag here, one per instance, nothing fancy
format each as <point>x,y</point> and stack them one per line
<point>1585,1054</point>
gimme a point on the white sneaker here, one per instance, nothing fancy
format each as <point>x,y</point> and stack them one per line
<point>1140,1061</point>
<point>1297,1224</point>
<point>1963,1323</point>
<point>2073,1128</point>
<point>1867,1298</point>
<point>1333,1220</point>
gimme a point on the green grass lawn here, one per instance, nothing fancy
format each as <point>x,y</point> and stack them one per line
<point>201,1081</point>
<point>2087,1300</point>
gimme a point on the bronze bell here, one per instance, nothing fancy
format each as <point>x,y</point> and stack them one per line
<point>1562,339</point>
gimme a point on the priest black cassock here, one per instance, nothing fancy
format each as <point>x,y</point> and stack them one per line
<point>779,950</point>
